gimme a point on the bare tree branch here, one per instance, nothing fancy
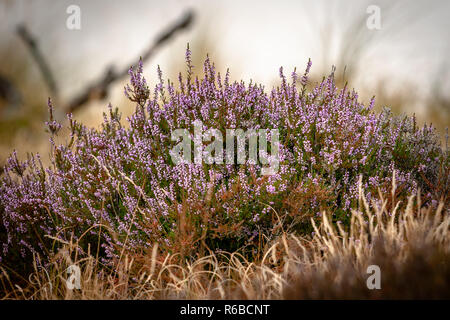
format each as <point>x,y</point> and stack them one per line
<point>99,88</point>
<point>32,45</point>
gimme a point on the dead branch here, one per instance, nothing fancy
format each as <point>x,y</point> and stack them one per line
<point>32,45</point>
<point>99,88</point>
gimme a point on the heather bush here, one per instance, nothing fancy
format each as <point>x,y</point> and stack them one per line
<point>116,189</point>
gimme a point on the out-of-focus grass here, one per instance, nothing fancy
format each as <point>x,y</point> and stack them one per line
<point>355,40</point>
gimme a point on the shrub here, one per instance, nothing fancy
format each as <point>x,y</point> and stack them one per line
<point>117,189</point>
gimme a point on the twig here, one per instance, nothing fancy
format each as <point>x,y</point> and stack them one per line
<point>32,45</point>
<point>99,88</point>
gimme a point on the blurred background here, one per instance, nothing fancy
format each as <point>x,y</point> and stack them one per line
<point>76,51</point>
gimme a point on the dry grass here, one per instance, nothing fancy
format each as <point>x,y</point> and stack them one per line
<point>412,249</point>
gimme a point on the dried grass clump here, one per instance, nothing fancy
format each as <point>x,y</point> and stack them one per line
<point>412,249</point>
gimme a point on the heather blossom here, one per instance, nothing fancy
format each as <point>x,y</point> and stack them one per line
<point>118,188</point>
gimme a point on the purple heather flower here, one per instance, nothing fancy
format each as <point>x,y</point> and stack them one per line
<point>123,176</point>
